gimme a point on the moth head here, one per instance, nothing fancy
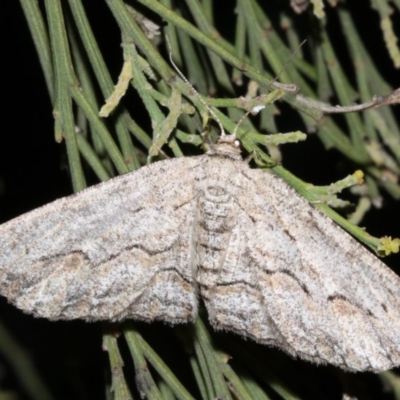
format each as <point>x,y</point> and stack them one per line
<point>228,145</point>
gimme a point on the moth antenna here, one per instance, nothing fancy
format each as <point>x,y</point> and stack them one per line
<point>289,60</point>
<point>254,110</point>
<point>242,118</point>
<point>180,73</point>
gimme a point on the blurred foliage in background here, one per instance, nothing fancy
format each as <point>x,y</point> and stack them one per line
<point>235,54</point>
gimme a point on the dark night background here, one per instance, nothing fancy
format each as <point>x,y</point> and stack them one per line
<point>33,172</point>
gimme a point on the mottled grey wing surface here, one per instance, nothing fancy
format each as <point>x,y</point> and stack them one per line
<point>303,284</point>
<point>116,250</point>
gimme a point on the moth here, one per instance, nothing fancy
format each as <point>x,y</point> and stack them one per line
<point>151,244</point>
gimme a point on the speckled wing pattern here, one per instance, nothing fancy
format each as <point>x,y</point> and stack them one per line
<point>116,250</point>
<point>266,263</point>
